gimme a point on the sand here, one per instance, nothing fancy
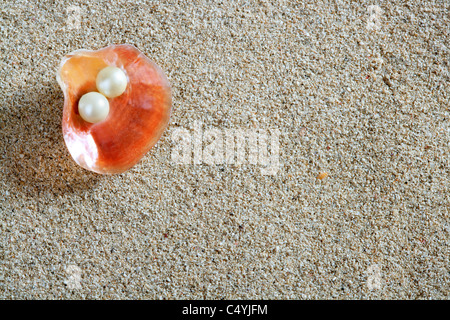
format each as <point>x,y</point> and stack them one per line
<point>359,93</point>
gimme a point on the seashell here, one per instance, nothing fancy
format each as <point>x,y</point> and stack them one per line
<point>136,118</point>
<point>322,175</point>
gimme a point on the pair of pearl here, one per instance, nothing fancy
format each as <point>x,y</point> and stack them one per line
<point>94,106</point>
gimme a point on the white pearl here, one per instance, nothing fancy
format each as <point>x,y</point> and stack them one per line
<point>111,81</point>
<point>93,107</point>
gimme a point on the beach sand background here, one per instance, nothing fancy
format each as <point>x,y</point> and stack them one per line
<point>359,92</point>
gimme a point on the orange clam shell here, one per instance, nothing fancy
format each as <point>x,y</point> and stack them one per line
<point>136,120</point>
